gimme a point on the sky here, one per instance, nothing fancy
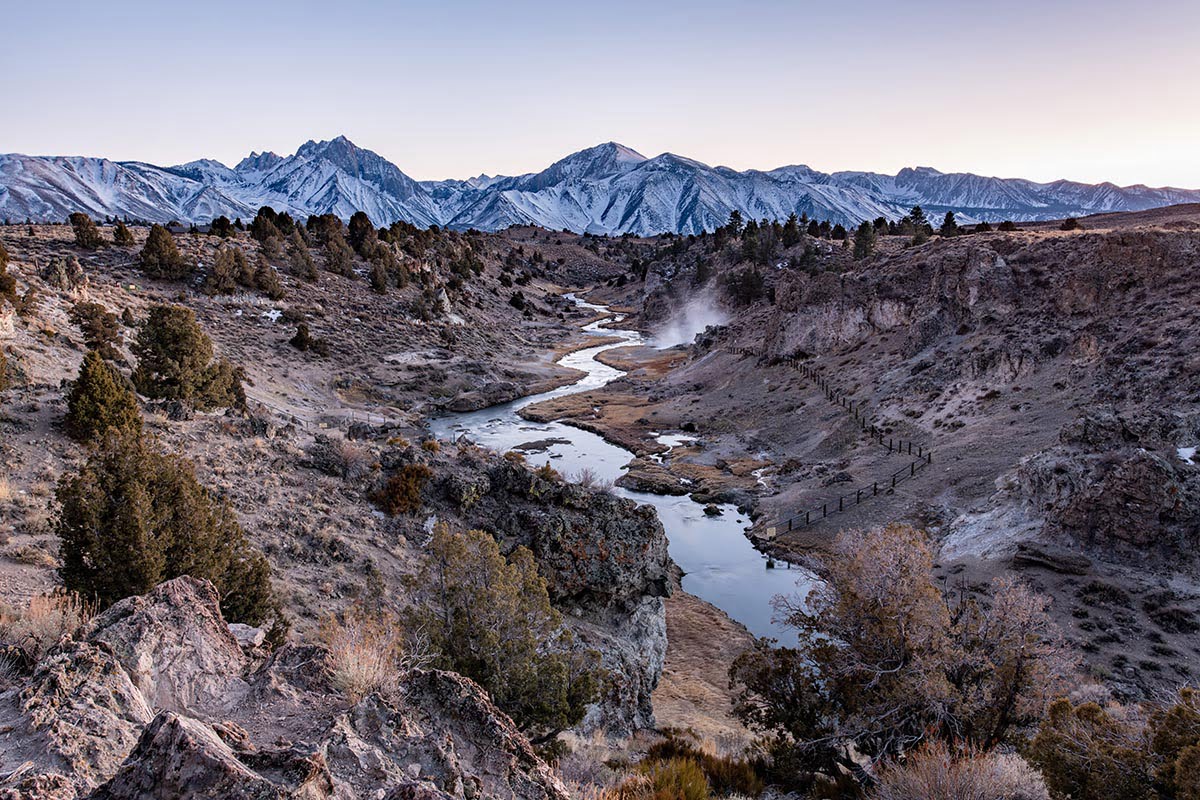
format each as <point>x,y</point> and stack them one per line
<point>1087,90</point>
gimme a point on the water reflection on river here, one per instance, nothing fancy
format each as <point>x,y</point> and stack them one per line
<point>720,564</point>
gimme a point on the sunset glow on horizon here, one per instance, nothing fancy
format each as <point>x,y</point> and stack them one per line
<point>1089,91</point>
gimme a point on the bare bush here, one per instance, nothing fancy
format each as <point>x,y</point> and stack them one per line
<point>47,620</point>
<point>355,461</point>
<point>935,772</point>
<point>589,479</point>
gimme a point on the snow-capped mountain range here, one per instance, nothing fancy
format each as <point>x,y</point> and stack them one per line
<point>607,189</point>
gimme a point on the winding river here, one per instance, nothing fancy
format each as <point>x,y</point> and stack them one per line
<point>720,564</point>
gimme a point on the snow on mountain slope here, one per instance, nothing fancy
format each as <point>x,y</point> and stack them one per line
<point>609,188</point>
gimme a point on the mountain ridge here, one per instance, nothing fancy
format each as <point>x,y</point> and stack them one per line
<point>605,189</point>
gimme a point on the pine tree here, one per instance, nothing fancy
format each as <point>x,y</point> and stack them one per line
<point>949,226</point>
<point>734,226</point>
<point>98,400</point>
<point>132,517</point>
<point>864,240</point>
<point>921,227</point>
<point>160,258</point>
<point>791,235</point>
<point>122,237</point>
<point>87,235</point>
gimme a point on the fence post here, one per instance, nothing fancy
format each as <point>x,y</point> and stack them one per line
<point>824,511</point>
<point>806,518</point>
<point>840,503</point>
<point>912,469</point>
<point>789,526</point>
<point>857,496</point>
<point>874,489</point>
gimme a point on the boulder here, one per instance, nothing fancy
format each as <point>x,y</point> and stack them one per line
<point>78,715</point>
<point>443,739</point>
<point>176,647</point>
<point>184,759</point>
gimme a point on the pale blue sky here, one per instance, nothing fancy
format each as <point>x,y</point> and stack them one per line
<point>1093,91</point>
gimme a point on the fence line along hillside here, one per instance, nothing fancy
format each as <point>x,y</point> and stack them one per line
<point>920,456</point>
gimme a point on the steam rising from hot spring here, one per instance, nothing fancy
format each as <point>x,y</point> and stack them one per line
<point>682,327</point>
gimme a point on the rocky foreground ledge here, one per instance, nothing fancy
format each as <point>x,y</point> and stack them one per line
<point>159,698</point>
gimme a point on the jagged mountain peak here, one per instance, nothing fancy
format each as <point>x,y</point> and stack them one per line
<point>258,162</point>
<point>606,188</point>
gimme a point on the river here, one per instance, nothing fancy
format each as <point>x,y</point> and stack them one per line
<point>720,565</point>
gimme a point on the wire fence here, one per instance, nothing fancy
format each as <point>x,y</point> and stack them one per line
<point>920,456</point>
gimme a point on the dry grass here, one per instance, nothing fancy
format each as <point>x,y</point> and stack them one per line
<point>47,620</point>
<point>935,772</point>
<point>6,492</point>
<point>367,653</point>
<point>31,554</point>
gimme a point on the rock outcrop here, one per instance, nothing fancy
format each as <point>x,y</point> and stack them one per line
<point>158,699</point>
<point>606,565</point>
<point>1113,488</point>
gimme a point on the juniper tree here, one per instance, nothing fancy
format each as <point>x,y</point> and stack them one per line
<point>222,227</point>
<point>339,257</point>
<point>226,271</point>
<point>132,517</point>
<point>160,258</point>
<point>98,401</point>
<point>87,235</point>
<point>266,280</point>
<point>363,235</point>
<point>300,261</point>
<point>101,328</point>
<point>8,284</point>
<point>175,362</point>
<point>379,277</point>
<point>489,618</point>
<point>122,236</point>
